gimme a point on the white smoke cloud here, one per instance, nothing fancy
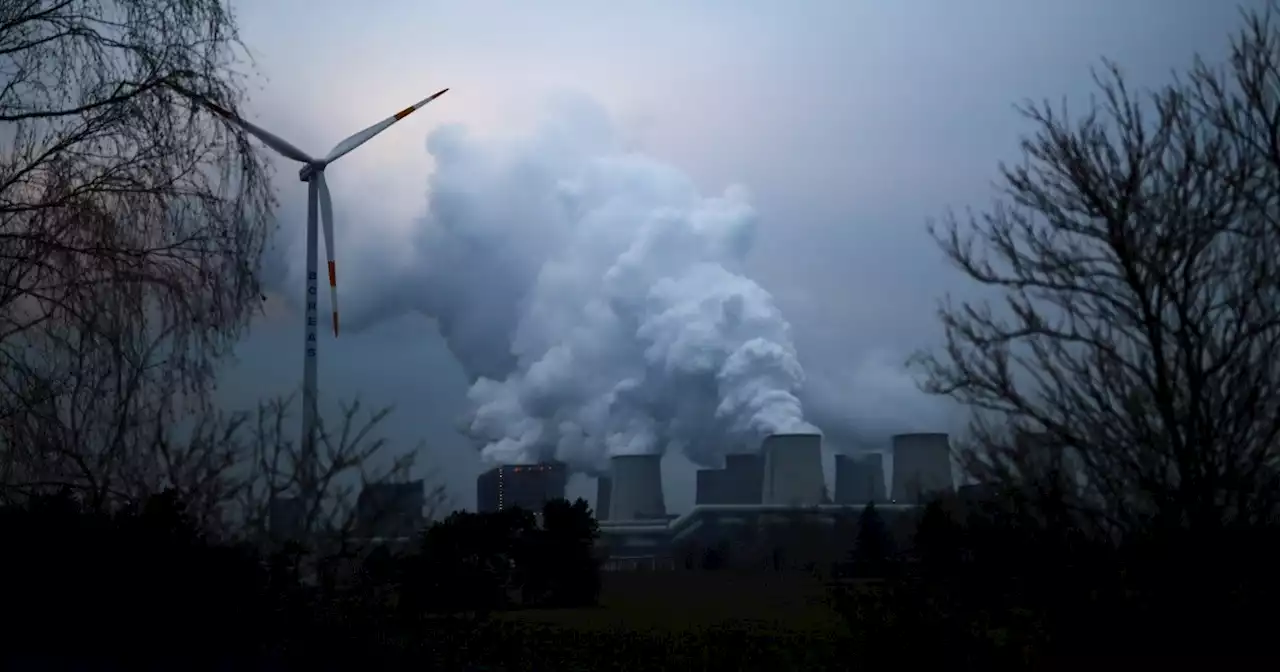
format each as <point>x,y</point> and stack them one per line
<point>597,300</point>
<point>861,402</point>
<point>595,297</point>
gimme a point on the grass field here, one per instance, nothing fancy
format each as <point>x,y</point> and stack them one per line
<point>687,601</point>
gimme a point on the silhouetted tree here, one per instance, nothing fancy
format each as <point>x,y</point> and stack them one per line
<point>75,566</point>
<point>938,542</point>
<point>564,567</point>
<point>873,551</point>
<point>1139,325</point>
<point>266,468</point>
<point>715,557</point>
<point>466,563</point>
<point>130,236</point>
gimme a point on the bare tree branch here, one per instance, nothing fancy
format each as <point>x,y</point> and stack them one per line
<point>130,230</point>
<point>1135,250</point>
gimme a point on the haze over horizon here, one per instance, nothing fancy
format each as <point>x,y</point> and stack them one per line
<point>836,128</point>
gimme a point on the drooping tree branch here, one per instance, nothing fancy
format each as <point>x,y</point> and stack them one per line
<point>130,228</point>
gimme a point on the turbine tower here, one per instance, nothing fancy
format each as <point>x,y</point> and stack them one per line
<point>317,199</point>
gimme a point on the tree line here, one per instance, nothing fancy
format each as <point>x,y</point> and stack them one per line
<point>1003,578</point>
<point>107,584</point>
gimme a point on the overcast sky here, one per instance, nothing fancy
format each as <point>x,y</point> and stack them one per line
<point>851,122</point>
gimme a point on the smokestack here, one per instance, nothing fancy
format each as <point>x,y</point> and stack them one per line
<point>604,490</point>
<point>746,477</point>
<point>859,479</point>
<point>793,469</point>
<point>637,488</point>
<point>921,465</point>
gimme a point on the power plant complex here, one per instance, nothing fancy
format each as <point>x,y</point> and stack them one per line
<point>786,475</point>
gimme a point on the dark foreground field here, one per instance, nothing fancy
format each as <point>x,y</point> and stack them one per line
<point>662,621</point>
<point>686,621</point>
<point>669,602</point>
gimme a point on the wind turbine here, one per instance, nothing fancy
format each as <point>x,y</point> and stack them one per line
<point>317,199</point>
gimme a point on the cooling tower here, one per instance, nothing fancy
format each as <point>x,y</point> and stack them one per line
<point>793,470</point>
<point>1045,456</point>
<point>921,465</point>
<point>715,486</point>
<point>745,472</point>
<point>636,492</point>
<point>603,491</point>
<point>859,479</point>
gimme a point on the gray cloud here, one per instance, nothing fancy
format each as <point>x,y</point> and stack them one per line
<point>850,123</point>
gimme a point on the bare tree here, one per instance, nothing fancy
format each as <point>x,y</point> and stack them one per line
<point>242,476</point>
<point>1135,251</point>
<point>323,490</point>
<point>130,228</point>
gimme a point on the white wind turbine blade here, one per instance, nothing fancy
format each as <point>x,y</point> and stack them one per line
<point>367,134</point>
<point>326,221</point>
<point>269,139</point>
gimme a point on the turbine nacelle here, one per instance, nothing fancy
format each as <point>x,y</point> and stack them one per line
<point>312,172</point>
<point>308,171</point>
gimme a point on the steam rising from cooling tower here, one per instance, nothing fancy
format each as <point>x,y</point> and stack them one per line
<point>597,301</point>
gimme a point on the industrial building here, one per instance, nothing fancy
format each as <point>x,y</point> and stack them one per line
<point>654,544</point>
<point>636,488</point>
<point>390,509</point>
<point>793,470</point>
<point>859,479</point>
<point>921,466</point>
<point>528,486</point>
<point>784,483</point>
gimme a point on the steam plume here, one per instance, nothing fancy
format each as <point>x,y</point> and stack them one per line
<point>596,299</point>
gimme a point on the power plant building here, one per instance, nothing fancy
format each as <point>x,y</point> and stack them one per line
<point>921,466</point>
<point>793,470</point>
<point>636,488</point>
<point>859,479</point>
<point>527,486</point>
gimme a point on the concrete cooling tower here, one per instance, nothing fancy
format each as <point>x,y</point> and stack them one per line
<point>715,486</point>
<point>1043,456</point>
<point>746,476</point>
<point>921,465</point>
<point>636,491</point>
<point>604,490</point>
<point>793,469</point>
<point>859,479</point>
